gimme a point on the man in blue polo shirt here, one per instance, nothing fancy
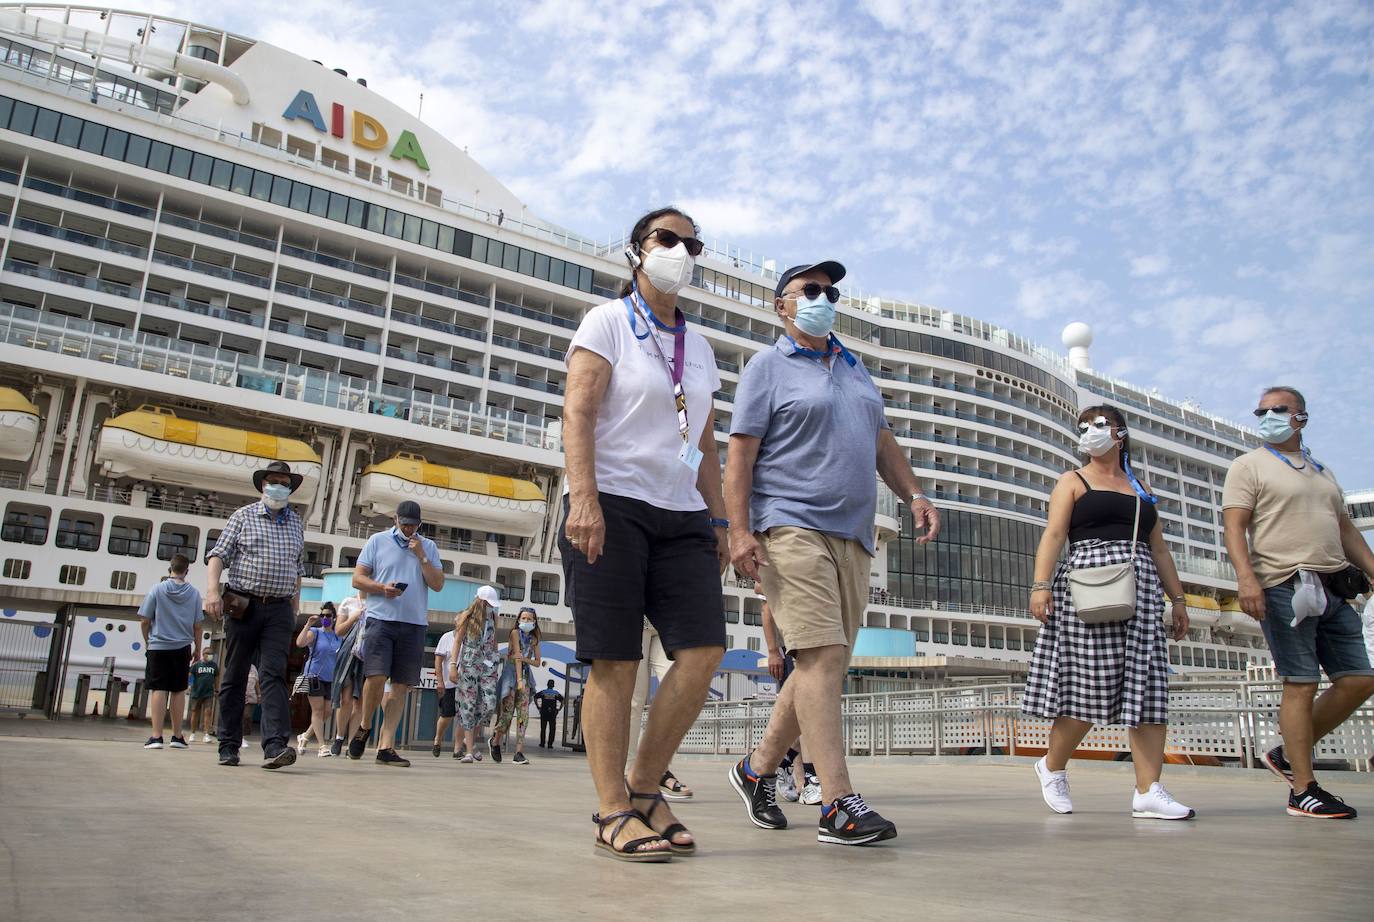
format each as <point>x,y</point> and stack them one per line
<point>806,437</point>
<point>393,571</point>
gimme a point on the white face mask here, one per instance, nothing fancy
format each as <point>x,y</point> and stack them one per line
<point>275,496</point>
<point>1096,442</point>
<point>669,269</point>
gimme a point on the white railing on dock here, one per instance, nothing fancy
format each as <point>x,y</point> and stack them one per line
<point>1230,722</point>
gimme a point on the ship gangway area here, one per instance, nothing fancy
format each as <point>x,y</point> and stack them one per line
<point>96,827</point>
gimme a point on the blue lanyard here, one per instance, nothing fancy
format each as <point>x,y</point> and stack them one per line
<point>1135,484</point>
<point>1307,456</point>
<point>834,347</point>
<point>634,303</point>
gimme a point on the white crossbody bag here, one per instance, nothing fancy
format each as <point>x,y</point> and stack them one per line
<point>1105,594</point>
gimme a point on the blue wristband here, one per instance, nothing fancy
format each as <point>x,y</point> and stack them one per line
<point>719,523</point>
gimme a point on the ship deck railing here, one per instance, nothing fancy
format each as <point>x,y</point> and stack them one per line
<point>1226,723</point>
<point>79,338</point>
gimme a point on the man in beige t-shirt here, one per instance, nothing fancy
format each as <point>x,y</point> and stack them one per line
<point>1291,508</point>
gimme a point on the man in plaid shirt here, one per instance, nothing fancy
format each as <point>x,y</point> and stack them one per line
<point>261,556</point>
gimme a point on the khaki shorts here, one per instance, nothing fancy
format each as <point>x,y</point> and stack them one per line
<point>816,585</point>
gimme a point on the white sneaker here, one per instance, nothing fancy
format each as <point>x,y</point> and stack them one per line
<point>787,786</point>
<point>1054,787</point>
<point>811,793</point>
<point>1158,804</point>
<point>243,745</point>
<point>301,742</point>
<point>325,753</point>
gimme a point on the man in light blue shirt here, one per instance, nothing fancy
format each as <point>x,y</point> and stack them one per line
<point>394,571</point>
<point>807,442</point>
<point>171,632</point>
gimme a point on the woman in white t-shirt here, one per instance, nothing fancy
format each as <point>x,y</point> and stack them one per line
<point>644,530</point>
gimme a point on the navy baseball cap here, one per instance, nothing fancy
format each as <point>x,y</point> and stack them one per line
<point>829,267</point>
<point>408,513</point>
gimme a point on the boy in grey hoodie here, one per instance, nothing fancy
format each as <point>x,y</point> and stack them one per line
<point>171,616</point>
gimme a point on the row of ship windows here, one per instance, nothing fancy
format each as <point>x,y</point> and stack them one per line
<point>538,265</point>
<point>94,138</point>
<point>128,537</point>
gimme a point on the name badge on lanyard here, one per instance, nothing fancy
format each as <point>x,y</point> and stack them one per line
<point>689,454</point>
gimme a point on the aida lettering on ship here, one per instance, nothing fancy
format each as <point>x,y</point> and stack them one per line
<point>368,133</point>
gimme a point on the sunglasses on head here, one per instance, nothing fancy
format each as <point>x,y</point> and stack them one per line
<point>813,290</point>
<point>1261,412</point>
<point>669,240</point>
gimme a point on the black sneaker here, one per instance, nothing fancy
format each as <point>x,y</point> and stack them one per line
<point>435,749</point>
<point>1274,761</point>
<point>337,747</point>
<point>1318,803</point>
<point>760,795</point>
<point>460,751</point>
<point>178,743</point>
<point>358,743</point>
<point>282,759</point>
<point>229,758</point>
<point>520,759</point>
<point>389,757</point>
<point>850,821</point>
<point>495,749</point>
<point>154,742</point>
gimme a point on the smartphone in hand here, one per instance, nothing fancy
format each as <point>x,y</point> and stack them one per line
<point>402,586</point>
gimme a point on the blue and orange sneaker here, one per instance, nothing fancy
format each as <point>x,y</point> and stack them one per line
<point>850,821</point>
<point>760,795</point>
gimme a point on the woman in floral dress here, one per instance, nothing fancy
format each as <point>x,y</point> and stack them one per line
<point>475,669</point>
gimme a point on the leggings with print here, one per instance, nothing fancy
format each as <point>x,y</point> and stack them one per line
<point>516,705</point>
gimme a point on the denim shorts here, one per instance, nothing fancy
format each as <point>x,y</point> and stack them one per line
<point>1333,642</point>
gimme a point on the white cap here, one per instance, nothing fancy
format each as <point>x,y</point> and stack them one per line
<point>489,595</point>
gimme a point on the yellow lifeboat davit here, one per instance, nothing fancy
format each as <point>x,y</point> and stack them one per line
<point>153,444</point>
<point>18,425</point>
<point>452,496</point>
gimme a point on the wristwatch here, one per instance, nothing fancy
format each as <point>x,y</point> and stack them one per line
<point>719,523</point>
<point>917,497</point>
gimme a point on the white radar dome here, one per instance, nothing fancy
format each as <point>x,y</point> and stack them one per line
<point>1077,337</point>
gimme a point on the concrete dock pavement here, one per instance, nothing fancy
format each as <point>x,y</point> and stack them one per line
<point>95,827</point>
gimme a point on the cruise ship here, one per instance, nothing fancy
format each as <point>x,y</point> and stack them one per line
<point>217,254</point>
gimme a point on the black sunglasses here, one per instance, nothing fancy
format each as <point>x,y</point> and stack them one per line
<point>812,291</point>
<point>670,240</point>
<point>1261,412</point>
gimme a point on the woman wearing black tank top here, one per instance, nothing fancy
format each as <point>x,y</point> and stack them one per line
<point>1112,673</point>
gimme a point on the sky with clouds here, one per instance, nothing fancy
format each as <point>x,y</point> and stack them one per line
<point>1194,180</point>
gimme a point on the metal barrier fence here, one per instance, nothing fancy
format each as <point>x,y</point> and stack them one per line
<point>1234,722</point>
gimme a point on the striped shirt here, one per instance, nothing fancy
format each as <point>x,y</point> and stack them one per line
<point>263,551</point>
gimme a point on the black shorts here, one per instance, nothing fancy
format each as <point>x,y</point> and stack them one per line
<point>319,688</point>
<point>169,670</point>
<point>394,649</point>
<point>448,702</point>
<point>657,564</point>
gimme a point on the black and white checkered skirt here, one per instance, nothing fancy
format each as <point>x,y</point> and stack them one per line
<point>1115,673</point>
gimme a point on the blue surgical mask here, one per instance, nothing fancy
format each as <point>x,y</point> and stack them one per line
<point>815,318</point>
<point>1276,428</point>
<point>275,495</point>
<point>526,626</point>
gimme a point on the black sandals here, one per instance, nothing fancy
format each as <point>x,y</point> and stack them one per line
<point>630,851</point>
